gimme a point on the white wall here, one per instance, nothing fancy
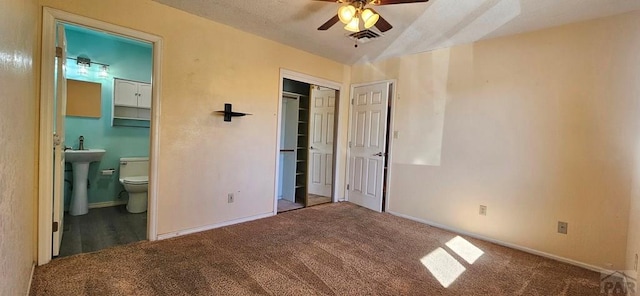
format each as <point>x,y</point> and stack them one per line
<point>18,32</point>
<point>539,127</point>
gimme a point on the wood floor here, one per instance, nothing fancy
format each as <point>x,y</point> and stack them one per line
<point>312,200</point>
<point>285,205</point>
<point>102,228</point>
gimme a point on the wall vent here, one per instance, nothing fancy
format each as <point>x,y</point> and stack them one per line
<point>364,36</point>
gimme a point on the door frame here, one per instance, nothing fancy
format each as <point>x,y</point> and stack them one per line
<point>393,97</point>
<point>45,158</point>
<point>292,75</point>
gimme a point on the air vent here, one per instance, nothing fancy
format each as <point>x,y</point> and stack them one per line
<point>364,36</point>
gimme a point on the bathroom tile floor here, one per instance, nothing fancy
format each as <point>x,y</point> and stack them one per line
<point>102,228</point>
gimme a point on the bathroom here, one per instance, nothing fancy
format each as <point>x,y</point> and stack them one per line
<point>95,60</point>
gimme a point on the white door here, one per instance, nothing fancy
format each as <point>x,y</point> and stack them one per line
<point>368,143</point>
<point>321,122</point>
<point>58,139</point>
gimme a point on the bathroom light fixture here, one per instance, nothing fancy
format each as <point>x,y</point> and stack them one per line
<point>81,61</point>
<point>105,71</point>
<point>84,64</point>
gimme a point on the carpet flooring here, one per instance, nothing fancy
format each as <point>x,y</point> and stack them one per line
<point>332,249</point>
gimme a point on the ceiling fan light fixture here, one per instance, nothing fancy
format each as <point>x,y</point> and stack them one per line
<point>346,13</point>
<point>353,25</point>
<point>369,18</point>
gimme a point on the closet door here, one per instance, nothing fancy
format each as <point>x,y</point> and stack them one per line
<point>320,162</point>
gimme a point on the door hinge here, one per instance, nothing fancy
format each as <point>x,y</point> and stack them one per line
<point>55,226</point>
<point>349,144</point>
<point>57,140</point>
<point>348,186</point>
<point>58,52</point>
<point>352,101</point>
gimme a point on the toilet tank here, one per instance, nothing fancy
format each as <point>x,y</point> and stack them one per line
<point>134,166</point>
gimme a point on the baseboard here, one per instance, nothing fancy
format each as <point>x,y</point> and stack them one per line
<point>212,226</point>
<point>106,204</point>
<point>502,243</point>
<point>33,270</point>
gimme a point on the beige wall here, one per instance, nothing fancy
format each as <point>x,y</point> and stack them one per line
<point>539,127</point>
<point>18,118</point>
<point>205,65</point>
<point>633,240</point>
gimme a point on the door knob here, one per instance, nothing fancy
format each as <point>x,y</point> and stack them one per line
<point>379,154</point>
<point>311,148</point>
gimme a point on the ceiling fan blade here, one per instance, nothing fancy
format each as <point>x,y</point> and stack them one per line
<point>329,23</point>
<point>382,24</point>
<point>389,2</point>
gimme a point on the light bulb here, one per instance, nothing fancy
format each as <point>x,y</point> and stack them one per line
<point>83,69</point>
<point>353,25</point>
<point>369,18</point>
<point>346,13</point>
<point>104,72</point>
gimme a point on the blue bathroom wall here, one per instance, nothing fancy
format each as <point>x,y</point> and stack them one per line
<point>127,59</point>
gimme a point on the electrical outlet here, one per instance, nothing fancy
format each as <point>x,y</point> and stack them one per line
<point>483,210</point>
<point>395,134</point>
<point>563,227</point>
<point>230,198</point>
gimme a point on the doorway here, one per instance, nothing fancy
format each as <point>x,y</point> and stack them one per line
<point>52,127</point>
<point>307,138</point>
<point>108,105</point>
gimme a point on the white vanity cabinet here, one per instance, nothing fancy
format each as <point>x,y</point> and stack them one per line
<point>131,100</point>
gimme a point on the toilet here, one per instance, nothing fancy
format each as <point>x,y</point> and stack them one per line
<point>135,179</point>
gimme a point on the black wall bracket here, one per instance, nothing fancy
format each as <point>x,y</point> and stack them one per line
<point>228,114</point>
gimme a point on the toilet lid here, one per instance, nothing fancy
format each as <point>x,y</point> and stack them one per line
<point>136,180</point>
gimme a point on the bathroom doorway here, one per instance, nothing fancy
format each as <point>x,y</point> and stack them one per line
<point>307,145</point>
<point>88,112</point>
<point>110,119</point>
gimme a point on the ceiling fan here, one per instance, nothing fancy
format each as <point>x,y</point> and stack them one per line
<point>353,11</point>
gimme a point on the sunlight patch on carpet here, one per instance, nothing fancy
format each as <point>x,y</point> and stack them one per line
<point>465,249</point>
<point>443,266</point>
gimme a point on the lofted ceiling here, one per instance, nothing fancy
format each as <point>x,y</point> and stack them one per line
<point>418,27</point>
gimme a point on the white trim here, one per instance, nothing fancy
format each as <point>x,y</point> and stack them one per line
<point>45,186</point>
<point>212,226</point>
<point>390,130</point>
<point>502,243</point>
<point>106,204</point>
<point>45,155</point>
<point>134,159</point>
<point>33,270</point>
<point>393,85</point>
<point>284,73</point>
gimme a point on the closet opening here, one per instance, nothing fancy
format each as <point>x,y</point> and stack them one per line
<point>307,145</point>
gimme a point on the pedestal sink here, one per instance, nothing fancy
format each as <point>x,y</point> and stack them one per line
<point>80,160</point>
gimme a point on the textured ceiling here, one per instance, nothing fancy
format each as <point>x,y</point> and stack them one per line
<point>417,28</point>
